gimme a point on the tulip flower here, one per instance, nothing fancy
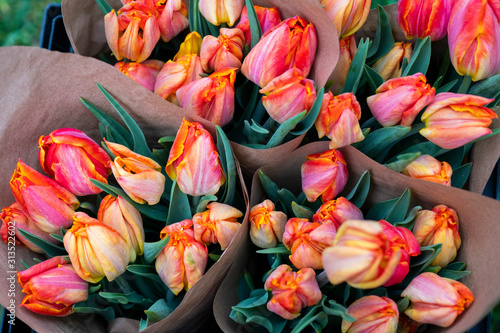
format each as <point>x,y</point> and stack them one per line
<point>96,250</point>
<point>337,211</point>
<point>290,44</point>
<point>218,12</point>
<point>144,73</point>
<point>224,51</point>
<point>324,174</point>
<point>49,204</point>
<point>13,218</point>
<point>362,255</point>
<point>120,215</point>
<point>52,287</point>
<point>139,176</point>
<point>389,66</point>
<point>268,18</point>
<point>288,95</point>
<point>452,120</point>
<point>439,225</point>
<point>428,168</point>
<point>399,100</point>
<point>212,97</point>
<point>306,241</point>
<point>348,16</point>
<point>292,291</point>
<point>347,50</point>
<point>422,18</point>
<point>338,119</point>
<point>133,31</point>
<point>72,158</point>
<point>474,38</point>
<point>172,18</point>
<point>372,314</point>
<point>194,161</point>
<point>218,224</point>
<point>436,300</point>
<point>266,224</point>
<point>182,261</point>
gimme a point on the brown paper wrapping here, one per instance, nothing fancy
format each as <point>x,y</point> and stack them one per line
<point>479,227</point>
<point>40,93</point>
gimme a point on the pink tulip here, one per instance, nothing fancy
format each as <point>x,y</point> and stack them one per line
<point>337,211</point>
<point>218,12</point>
<point>266,224</point>
<point>428,168</point>
<point>144,73</point>
<point>422,18</point>
<point>390,65</point>
<point>224,51</point>
<point>268,18</point>
<point>172,18</point>
<point>372,314</point>
<point>348,16</point>
<point>347,50</point>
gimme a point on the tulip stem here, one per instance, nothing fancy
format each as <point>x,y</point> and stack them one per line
<point>123,284</point>
<point>464,86</point>
<point>322,279</point>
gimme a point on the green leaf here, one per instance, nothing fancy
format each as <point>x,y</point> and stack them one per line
<point>287,198</point>
<point>420,58</point>
<point>284,129</point>
<point>464,85</point>
<point>398,211</point>
<point>307,319</point>
<point>302,211</point>
<point>403,304</point>
<point>258,297</point>
<point>204,201</point>
<point>227,159</point>
<point>487,88</point>
<point>373,78</point>
<point>181,209</point>
<point>454,275</point>
<point>279,249</point>
<point>456,266</point>
<point>403,161</point>
<point>378,140</point>
<point>335,309</point>
<point>460,175</point>
<point>269,186</point>
<point>380,291</point>
<point>428,148</point>
<point>147,271</point>
<point>426,256</point>
<point>104,6</point>
<point>253,20</point>
<point>447,87</point>
<point>143,324</point>
<point>58,237</point>
<point>121,298</point>
<point>357,67</point>
<point>52,250</point>
<point>107,313</point>
<point>308,122</point>
<point>259,320</point>
<point>383,41</point>
<point>152,250</point>
<point>408,221</point>
<point>359,193</point>
<point>158,311</point>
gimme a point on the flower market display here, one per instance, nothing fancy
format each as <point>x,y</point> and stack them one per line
<point>357,127</point>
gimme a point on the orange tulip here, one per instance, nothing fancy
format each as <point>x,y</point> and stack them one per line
<point>266,224</point>
<point>389,66</point>
<point>218,12</point>
<point>268,18</point>
<point>194,161</point>
<point>372,314</point>
<point>224,51</point>
<point>347,50</point>
<point>422,18</point>
<point>172,18</point>
<point>347,15</point>
<point>144,73</point>
<point>337,211</point>
<point>428,168</point>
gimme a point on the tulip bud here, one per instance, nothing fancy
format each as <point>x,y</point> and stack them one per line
<point>288,95</point>
<point>436,300</point>
<point>194,161</point>
<point>266,224</point>
<point>172,18</point>
<point>422,18</point>
<point>139,176</point>
<point>218,224</point>
<point>218,12</point>
<point>389,66</point>
<point>292,291</point>
<point>399,100</point>
<point>144,73</point>
<point>182,261</point>
<point>324,174</point>
<point>452,120</point>
<point>337,211</point>
<point>306,241</point>
<point>268,18</point>
<point>338,119</point>
<point>96,250</point>
<point>290,44</point>
<point>52,287</point>
<point>224,51</point>
<point>372,314</point>
<point>439,225</point>
<point>348,16</point>
<point>428,168</point>
<point>212,97</point>
<point>190,45</point>
<point>474,43</point>
<point>49,204</point>
<point>347,50</point>
<point>72,158</point>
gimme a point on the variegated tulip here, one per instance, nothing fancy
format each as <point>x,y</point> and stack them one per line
<point>144,73</point>
<point>288,95</point>
<point>96,250</point>
<point>266,224</point>
<point>452,120</point>
<point>49,204</point>
<point>172,18</point>
<point>290,44</point>
<point>347,50</point>
<point>338,119</point>
<point>212,97</point>
<point>362,255</point>
<point>52,287</point>
<point>307,240</point>
<point>268,18</point>
<point>389,66</point>
<point>429,168</point>
<point>13,218</point>
<point>324,175</point>
<point>182,261</point>
<point>217,225</point>
<point>347,15</point>
<point>439,225</point>
<point>133,31</point>
<point>194,161</point>
<point>474,38</point>
<point>422,18</point>
<point>218,12</point>
<point>337,211</point>
<point>139,176</point>
<point>120,215</point>
<point>72,158</point>
<point>372,314</point>
<point>436,300</point>
<point>224,51</point>
<point>292,291</point>
<point>399,100</point>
